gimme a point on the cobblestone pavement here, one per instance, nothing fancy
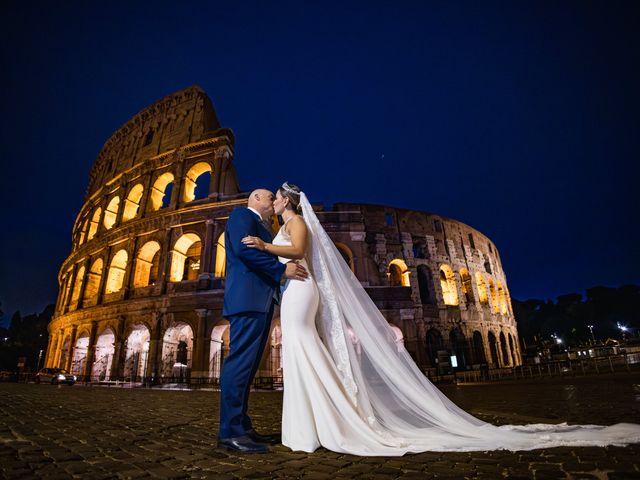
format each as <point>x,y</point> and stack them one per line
<point>97,432</point>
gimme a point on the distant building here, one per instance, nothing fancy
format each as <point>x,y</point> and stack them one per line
<point>141,292</point>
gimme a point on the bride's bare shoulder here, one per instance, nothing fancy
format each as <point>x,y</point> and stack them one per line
<point>296,223</point>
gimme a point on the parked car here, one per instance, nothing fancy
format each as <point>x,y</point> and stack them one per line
<point>55,376</point>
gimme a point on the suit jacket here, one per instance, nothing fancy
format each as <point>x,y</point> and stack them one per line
<point>253,276</point>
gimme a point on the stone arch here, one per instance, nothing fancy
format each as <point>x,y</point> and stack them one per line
<point>501,298</point>
<point>117,269</point>
<point>77,286</point>
<point>64,352</point>
<point>493,349</point>
<point>483,296</point>
<point>495,307</point>
<point>459,347</point>
<point>448,285</point>
<point>478,348</point>
<point>503,349</point>
<point>177,348</point>
<point>132,202</point>
<point>84,230</point>
<point>136,352</point>
<point>467,288</point>
<point>185,258</point>
<point>196,182</point>
<point>219,349</point>
<point>512,349</point>
<point>111,213</point>
<point>162,188</point>
<point>105,348</point>
<point>147,265</point>
<point>95,222</point>
<point>398,273</point>
<point>425,285</point>
<point>433,344</point>
<point>346,254</point>
<point>221,258</point>
<point>93,279</point>
<point>66,284</point>
<point>80,354</point>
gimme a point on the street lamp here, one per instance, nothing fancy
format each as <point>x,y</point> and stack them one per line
<point>623,329</point>
<point>593,339</point>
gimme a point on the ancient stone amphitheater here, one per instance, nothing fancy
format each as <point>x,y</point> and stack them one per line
<point>141,291</point>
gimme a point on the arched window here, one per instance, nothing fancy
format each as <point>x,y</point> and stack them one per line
<point>482,289</point>
<point>84,231</point>
<point>448,285</point>
<point>116,272</point>
<point>147,265</point>
<point>111,213</point>
<point>161,192</point>
<point>494,297</point>
<point>459,346</point>
<point>66,285</point>
<point>95,221</point>
<point>196,182</point>
<point>185,260</point>
<point>434,343</point>
<point>93,279</point>
<point>221,258</point>
<point>502,298</point>
<point>132,202</point>
<point>346,254</point>
<point>467,289</point>
<point>398,273</point>
<point>424,282</point>
<point>75,296</point>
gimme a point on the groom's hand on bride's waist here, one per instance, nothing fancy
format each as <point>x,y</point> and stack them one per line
<point>295,271</point>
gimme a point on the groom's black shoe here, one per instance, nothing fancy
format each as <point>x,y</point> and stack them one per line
<point>243,444</point>
<point>271,439</point>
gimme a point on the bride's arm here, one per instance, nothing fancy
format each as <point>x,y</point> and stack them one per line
<point>298,233</point>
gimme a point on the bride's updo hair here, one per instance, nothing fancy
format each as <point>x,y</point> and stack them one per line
<point>292,192</point>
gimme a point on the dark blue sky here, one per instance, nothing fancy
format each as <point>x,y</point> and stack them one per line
<point>518,118</point>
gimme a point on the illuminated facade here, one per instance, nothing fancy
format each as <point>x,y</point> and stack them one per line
<point>141,292</point>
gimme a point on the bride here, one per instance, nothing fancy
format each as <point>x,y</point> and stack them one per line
<point>350,388</point>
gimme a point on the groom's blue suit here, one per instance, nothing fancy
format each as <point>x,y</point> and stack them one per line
<point>252,286</point>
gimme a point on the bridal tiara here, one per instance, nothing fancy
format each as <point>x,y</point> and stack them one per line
<point>286,186</point>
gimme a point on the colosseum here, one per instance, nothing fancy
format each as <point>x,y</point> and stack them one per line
<point>141,292</point>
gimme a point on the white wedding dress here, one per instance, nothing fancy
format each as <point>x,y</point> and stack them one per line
<point>349,388</point>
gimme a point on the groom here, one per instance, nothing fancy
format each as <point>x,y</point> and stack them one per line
<point>252,287</point>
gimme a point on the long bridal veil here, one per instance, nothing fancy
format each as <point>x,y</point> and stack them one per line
<point>402,407</point>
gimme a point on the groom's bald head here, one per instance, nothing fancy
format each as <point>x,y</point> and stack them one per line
<point>261,199</point>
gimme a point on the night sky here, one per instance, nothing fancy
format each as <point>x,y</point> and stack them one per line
<point>520,119</point>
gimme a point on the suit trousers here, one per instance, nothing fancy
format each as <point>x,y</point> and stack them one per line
<point>249,332</point>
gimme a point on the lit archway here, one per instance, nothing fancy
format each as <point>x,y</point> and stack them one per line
<point>346,254</point>
<point>398,273</point>
<point>196,182</point>
<point>132,202</point>
<point>162,188</point>
<point>116,273</point>
<point>64,354</point>
<point>111,213</point>
<point>482,289</point>
<point>465,282</point>
<point>218,350</point>
<point>502,298</point>
<point>93,280</point>
<point>95,222</point>
<point>80,354</point>
<point>185,258</point>
<point>105,348</point>
<point>147,265</point>
<point>137,352</point>
<point>221,258</point>
<point>448,285</point>
<point>276,353</point>
<point>84,231</point>
<point>177,346</point>
<point>77,286</point>
<point>495,306</point>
